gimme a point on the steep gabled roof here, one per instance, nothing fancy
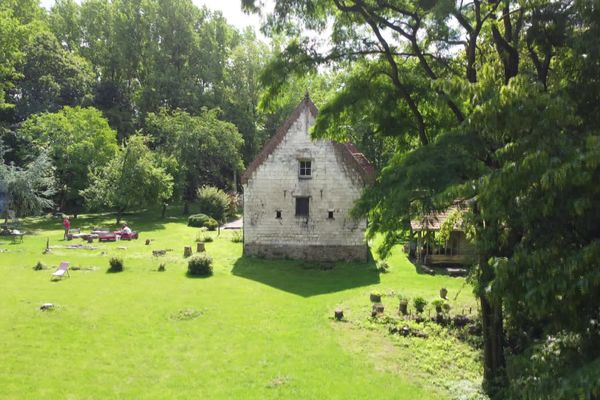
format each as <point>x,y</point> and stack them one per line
<point>350,153</point>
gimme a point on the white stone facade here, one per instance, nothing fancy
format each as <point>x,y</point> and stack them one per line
<point>272,227</point>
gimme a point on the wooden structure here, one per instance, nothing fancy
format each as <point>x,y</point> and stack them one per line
<point>457,250</point>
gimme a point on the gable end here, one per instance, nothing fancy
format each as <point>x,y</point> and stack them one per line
<point>278,137</point>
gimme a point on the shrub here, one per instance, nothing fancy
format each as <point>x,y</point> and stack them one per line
<point>116,264</point>
<point>235,204</point>
<point>202,238</point>
<point>39,266</point>
<point>237,237</point>
<point>438,304</point>
<point>200,265</point>
<point>419,304</point>
<point>202,220</point>
<point>446,307</point>
<point>213,201</point>
<point>383,266</point>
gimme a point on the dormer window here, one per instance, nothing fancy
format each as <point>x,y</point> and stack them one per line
<point>305,169</point>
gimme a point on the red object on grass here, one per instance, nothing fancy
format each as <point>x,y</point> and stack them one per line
<point>127,236</point>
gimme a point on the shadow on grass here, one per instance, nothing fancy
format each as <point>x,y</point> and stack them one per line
<point>419,269</point>
<point>192,276</point>
<point>305,278</point>
<point>141,221</point>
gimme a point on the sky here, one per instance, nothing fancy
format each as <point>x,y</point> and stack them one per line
<point>231,10</point>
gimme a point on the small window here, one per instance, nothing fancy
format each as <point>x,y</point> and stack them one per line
<point>302,206</point>
<point>330,214</point>
<point>278,214</point>
<point>305,169</point>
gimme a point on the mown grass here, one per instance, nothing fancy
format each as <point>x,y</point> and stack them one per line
<point>256,329</point>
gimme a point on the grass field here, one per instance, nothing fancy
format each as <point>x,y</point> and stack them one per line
<point>256,329</point>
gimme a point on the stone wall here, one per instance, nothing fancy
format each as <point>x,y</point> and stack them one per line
<point>308,252</point>
<point>332,190</point>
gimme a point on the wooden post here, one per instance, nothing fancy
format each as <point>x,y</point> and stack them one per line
<point>187,251</point>
<point>200,248</point>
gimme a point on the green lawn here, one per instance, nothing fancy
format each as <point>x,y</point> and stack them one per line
<point>262,329</point>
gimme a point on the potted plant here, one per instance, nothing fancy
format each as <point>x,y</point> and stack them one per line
<point>403,304</point>
<point>419,304</point>
<point>446,308</point>
<point>375,296</point>
<point>438,304</point>
<point>443,293</point>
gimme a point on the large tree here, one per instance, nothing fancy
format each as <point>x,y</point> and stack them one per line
<point>78,140</point>
<point>51,78</point>
<point>133,179</point>
<point>207,149</point>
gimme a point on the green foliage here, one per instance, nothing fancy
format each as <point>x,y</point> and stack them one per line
<point>39,266</point>
<point>202,238</point>
<point>202,221</point>
<point>116,264</point>
<point>383,266</point>
<point>206,149</point>
<point>402,298</point>
<point>200,265</point>
<point>51,78</point>
<point>213,202</point>
<point>11,39</point>
<point>27,190</point>
<point>237,237</point>
<point>131,179</point>
<point>545,371</point>
<point>419,304</point>
<point>79,140</point>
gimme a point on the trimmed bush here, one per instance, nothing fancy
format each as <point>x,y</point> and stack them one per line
<point>213,201</point>
<point>200,265</point>
<point>116,264</point>
<point>39,266</point>
<point>437,304</point>
<point>202,221</point>
<point>419,304</point>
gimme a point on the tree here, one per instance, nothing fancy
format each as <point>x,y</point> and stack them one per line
<point>207,150</point>
<point>131,180</point>
<point>9,46</point>
<point>78,140</point>
<point>242,91</point>
<point>65,23</point>
<point>51,78</point>
<point>26,190</point>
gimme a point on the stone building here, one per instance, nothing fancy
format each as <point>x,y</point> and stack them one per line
<point>298,194</point>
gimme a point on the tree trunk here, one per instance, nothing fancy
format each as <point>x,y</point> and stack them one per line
<point>494,376</point>
<point>186,208</point>
<point>492,329</point>
<point>119,216</point>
